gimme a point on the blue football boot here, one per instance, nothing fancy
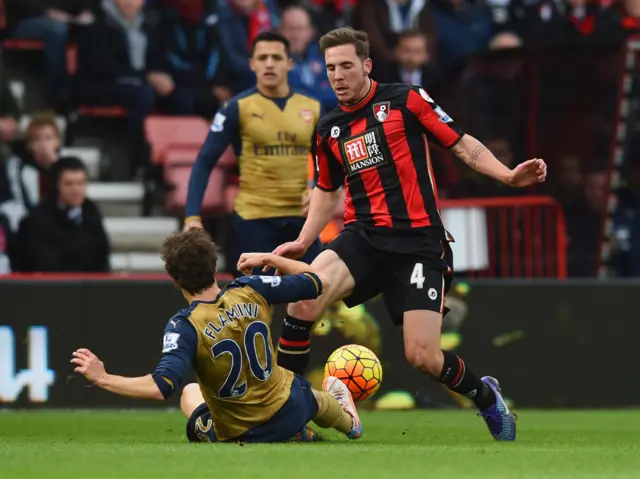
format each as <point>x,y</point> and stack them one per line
<point>500,420</point>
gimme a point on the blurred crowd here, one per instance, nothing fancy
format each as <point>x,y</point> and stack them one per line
<point>187,57</point>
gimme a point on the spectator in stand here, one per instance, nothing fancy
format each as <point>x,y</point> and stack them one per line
<point>309,73</point>
<point>413,62</point>
<point>240,22</point>
<point>119,64</point>
<point>464,27</point>
<point>65,232</point>
<point>43,140</point>
<point>193,58</point>
<point>551,23</point>
<point>613,25</point>
<point>28,168</point>
<point>385,20</point>
<point>13,177</point>
<point>49,21</point>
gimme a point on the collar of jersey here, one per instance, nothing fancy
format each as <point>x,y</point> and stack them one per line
<point>289,95</point>
<point>196,302</point>
<point>367,98</point>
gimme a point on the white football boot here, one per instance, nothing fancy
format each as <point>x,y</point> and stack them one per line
<point>340,391</point>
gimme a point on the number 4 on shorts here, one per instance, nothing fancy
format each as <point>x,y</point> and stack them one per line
<point>417,276</point>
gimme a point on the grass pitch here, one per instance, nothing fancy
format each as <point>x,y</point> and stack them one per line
<point>396,445</point>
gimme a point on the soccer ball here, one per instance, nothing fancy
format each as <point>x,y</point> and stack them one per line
<point>358,368</point>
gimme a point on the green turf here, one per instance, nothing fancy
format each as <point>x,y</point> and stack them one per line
<point>396,445</point>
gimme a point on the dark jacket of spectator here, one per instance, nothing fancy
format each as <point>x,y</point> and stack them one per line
<point>463,28</point>
<point>384,22</point>
<point>237,31</point>
<point>191,45</point>
<point>552,23</point>
<point>65,232</point>
<point>109,51</point>
<point>615,24</point>
<point>52,241</point>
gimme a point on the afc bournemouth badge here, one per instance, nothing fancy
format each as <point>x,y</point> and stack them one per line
<point>381,110</point>
<point>307,116</point>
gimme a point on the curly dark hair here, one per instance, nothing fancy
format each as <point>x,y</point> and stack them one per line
<point>190,258</point>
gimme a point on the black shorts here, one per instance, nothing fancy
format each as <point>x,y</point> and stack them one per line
<point>412,271</point>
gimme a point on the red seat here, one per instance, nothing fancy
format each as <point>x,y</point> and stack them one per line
<point>21,44</point>
<point>102,111</point>
<point>177,171</point>
<point>164,132</point>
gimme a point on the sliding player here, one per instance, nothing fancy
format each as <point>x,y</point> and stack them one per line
<point>225,336</point>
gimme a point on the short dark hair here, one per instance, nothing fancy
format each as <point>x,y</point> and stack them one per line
<point>412,34</point>
<point>66,163</point>
<point>190,258</point>
<point>271,36</point>
<point>346,36</point>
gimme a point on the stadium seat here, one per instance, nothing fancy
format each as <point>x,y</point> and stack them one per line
<point>121,192</point>
<point>164,132</point>
<point>22,44</point>
<point>102,111</point>
<point>137,262</point>
<point>177,171</point>
<point>139,234</point>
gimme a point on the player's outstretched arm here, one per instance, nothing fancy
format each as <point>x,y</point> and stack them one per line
<point>90,366</point>
<point>289,267</point>
<point>479,158</point>
<point>321,209</point>
<point>224,132</point>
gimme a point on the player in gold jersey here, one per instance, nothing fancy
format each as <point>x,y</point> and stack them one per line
<point>224,335</point>
<point>270,128</point>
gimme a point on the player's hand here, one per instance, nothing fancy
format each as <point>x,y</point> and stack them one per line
<point>293,249</point>
<point>89,365</point>
<point>249,261</point>
<point>528,173</point>
<point>192,223</point>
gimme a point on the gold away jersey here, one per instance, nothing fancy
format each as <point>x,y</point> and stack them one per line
<point>272,139</point>
<point>228,344</point>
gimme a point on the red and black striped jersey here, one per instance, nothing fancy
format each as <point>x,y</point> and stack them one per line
<point>379,150</point>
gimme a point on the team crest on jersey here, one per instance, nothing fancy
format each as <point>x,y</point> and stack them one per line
<point>363,152</point>
<point>381,110</point>
<point>307,116</point>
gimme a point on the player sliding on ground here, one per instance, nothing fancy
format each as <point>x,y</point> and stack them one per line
<point>224,335</point>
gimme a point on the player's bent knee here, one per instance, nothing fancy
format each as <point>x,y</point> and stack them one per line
<point>307,310</point>
<point>427,359</point>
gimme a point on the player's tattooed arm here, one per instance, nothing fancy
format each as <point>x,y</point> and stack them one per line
<point>479,158</point>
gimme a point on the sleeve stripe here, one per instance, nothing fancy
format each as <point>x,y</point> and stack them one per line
<point>328,190</point>
<point>316,282</point>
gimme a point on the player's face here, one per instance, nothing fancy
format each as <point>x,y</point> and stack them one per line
<point>72,186</point>
<point>347,73</point>
<point>271,64</point>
